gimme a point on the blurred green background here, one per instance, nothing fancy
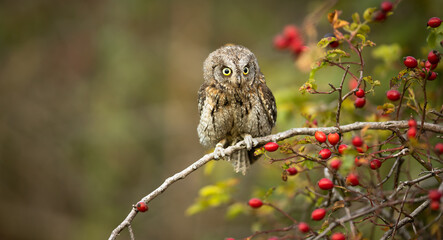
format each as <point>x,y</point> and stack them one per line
<point>98,106</point>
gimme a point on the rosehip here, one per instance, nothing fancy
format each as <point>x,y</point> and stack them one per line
<point>438,148</point>
<point>333,138</point>
<point>141,206</point>
<point>386,6</point>
<point>357,141</point>
<point>379,16</point>
<point>357,162</point>
<point>303,227</point>
<point>290,32</point>
<point>434,57</point>
<point>434,22</point>
<point>229,238</point>
<point>360,102</point>
<point>424,73</point>
<point>410,62</point>
<point>412,123</point>
<point>335,163</point>
<point>271,146</point>
<point>338,236</point>
<point>318,214</point>
<point>325,184</point>
<point>393,95</point>
<point>255,203</point>
<point>352,179</point>
<point>375,164</point>
<point>292,171</point>
<point>412,132</point>
<point>432,76</point>
<point>320,136</point>
<point>342,148</point>
<point>324,153</point>
<point>435,205</point>
<point>362,149</point>
<point>360,93</point>
<point>280,42</point>
<point>434,195</point>
<point>430,66</point>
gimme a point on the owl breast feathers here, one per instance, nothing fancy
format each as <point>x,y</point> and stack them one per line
<point>234,103</point>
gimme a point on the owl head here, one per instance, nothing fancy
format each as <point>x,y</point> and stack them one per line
<point>231,65</point>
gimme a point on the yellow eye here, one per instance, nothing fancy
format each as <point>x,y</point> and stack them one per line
<point>226,71</point>
<point>245,71</point>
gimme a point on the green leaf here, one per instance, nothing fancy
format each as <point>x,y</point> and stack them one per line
<point>364,29</point>
<point>368,79</point>
<point>356,18</point>
<point>367,15</point>
<point>308,164</point>
<point>334,52</point>
<point>361,36</point>
<point>235,209</point>
<point>324,42</point>
<point>431,39</point>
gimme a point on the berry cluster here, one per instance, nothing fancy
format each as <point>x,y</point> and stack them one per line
<point>382,13</point>
<point>360,101</point>
<point>425,67</point>
<point>290,39</point>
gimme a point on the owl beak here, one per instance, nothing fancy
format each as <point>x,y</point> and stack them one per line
<point>238,80</point>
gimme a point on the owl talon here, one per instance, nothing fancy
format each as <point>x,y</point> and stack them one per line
<point>249,141</point>
<point>219,151</point>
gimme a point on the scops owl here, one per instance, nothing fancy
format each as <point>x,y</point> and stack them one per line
<point>234,104</point>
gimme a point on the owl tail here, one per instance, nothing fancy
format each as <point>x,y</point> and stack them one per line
<point>242,159</point>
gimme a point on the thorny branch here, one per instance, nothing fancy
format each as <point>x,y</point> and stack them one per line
<point>275,137</point>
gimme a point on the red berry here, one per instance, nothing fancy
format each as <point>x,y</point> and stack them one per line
<point>325,184</point>
<point>375,164</point>
<point>357,141</point>
<point>320,136</point>
<point>352,179</point>
<point>318,214</point>
<point>338,236</point>
<point>229,238</point>
<point>430,66</point>
<point>434,57</point>
<point>424,72</point>
<point>393,95</point>
<point>386,6</point>
<point>360,93</point>
<point>271,146</point>
<point>362,149</point>
<point>334,44</point>
<point>359,102</point>
<point>438,148</point>
<point>335,163</point>
<point>290,32</point>
<point>410,62</point>
<point>357,162</point>
<point>432,76</point>
<point>280,42</point>
<point>255,203</point>
<point>333,138</point>
<point>141,206</point>
<point>412,132</point>
<point>325,153</point>
<point>342,148</point>
<point>292,171</point>
<point>435,205</point>
<point>303,227</point>
<point>412,123</point>
<point>434,22</point>
<point>434,195</point>
<point>379,16</point>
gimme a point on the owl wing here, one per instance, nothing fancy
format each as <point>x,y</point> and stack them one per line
<point>201,97</point>
<point>267,100</point>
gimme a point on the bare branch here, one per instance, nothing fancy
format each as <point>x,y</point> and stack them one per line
<point>262,140</point>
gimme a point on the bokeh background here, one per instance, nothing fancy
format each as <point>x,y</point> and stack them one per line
<point>98,105</point>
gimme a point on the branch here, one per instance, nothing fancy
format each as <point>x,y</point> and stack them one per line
<point>262,140</point>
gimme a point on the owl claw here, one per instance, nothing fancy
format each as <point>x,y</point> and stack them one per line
<point>249,141</point>
<point>219,151</point>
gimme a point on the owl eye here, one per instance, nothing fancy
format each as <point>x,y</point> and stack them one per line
<point>226,71</point>
<point>245,71</point>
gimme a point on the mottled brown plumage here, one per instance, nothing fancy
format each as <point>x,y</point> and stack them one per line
<point>234,103</point>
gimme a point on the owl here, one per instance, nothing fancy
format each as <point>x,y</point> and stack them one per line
<point>235,104</point>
